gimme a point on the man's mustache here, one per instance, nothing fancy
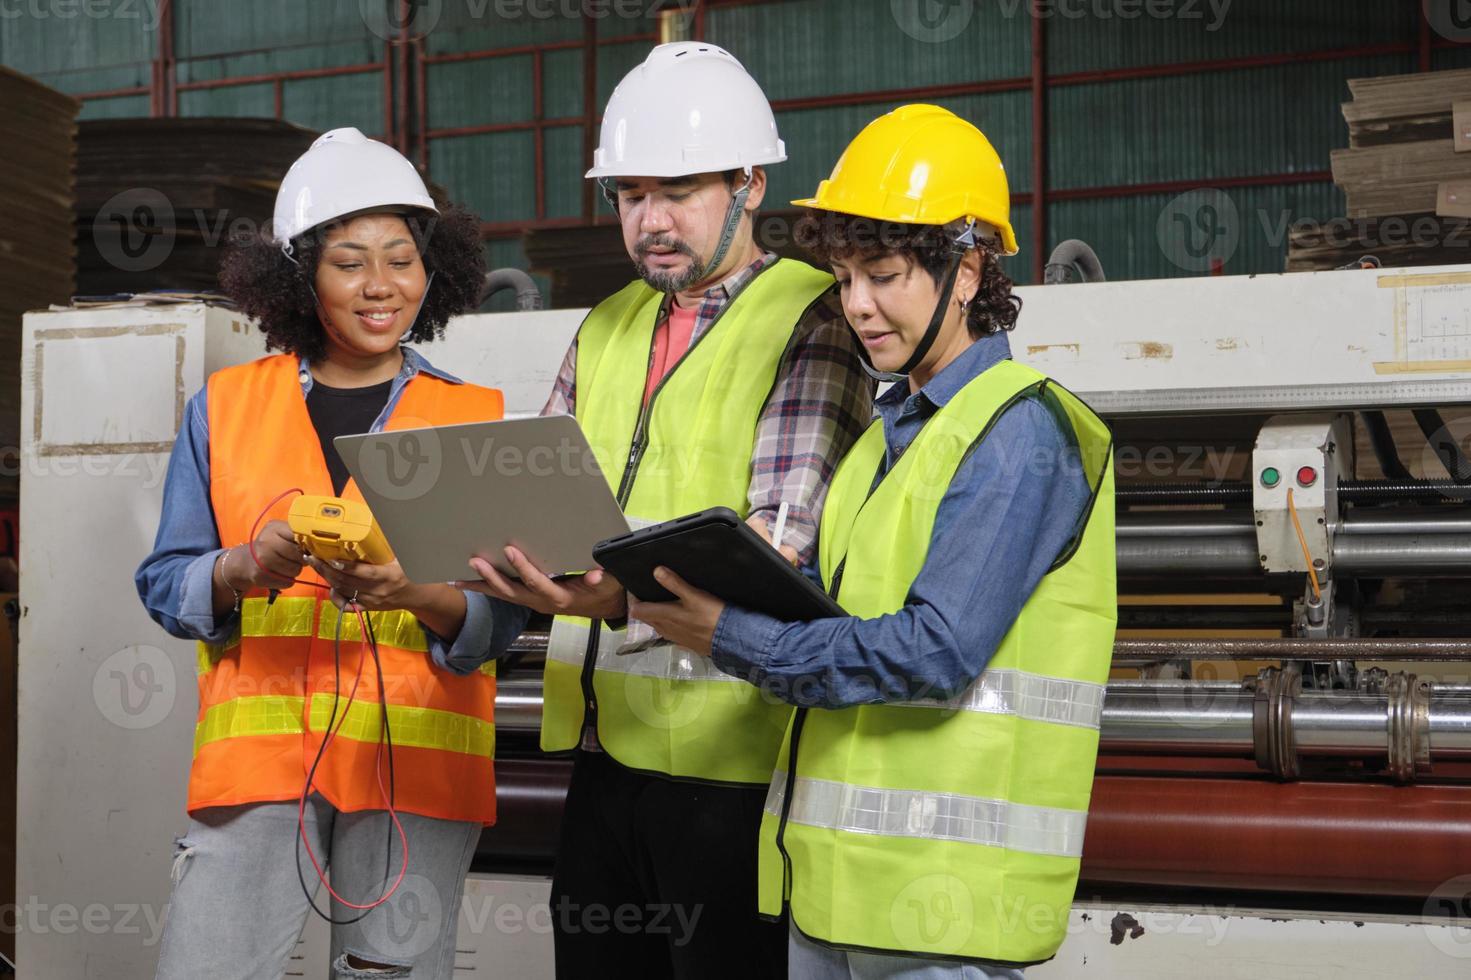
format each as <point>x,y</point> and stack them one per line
<point>644,246</point>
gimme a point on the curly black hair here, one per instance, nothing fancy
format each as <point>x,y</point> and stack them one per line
<point>828,234</point>
<point>277,292</point>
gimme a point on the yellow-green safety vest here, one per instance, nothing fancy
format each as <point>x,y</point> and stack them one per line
<point>667,709</point>
<point>949,829</point>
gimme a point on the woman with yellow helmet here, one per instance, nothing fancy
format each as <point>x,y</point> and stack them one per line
<point>926,817</point>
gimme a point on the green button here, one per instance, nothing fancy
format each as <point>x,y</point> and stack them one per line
<point>1270,477</point>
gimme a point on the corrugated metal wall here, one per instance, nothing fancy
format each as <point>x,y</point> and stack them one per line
<point>1124,137</point>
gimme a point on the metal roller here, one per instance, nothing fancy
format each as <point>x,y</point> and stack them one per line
<point>1402,724</point>
<point>1254,835</point>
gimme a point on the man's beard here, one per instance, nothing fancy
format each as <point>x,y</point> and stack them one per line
<point>667,282</point>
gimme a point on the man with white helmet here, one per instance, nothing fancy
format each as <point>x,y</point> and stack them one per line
<point>722,376</point>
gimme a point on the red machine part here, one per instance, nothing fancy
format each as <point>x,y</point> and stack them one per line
<point>1224,833</point>
<point>1341,838</point>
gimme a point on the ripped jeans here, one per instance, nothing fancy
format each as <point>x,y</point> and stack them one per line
<point>237,907</point>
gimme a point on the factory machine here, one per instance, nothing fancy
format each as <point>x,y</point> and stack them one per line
<point>1284,782</point>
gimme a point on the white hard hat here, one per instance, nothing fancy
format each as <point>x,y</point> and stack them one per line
<point>690,108</point>
<point>345,173</point>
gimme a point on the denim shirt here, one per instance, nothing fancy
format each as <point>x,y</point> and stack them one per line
<point>1007,515</point>
<point>176,583</point>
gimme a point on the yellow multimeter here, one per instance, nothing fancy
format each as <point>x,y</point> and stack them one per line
<point>334,529</point>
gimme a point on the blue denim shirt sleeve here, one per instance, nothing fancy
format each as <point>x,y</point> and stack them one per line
<point>1007,515</point>
<point>175,581</point>
<point>490,627</point>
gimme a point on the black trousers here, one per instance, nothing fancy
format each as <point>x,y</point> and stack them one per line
<point>657,878</point>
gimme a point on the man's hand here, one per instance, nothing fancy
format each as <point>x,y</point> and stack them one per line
<point>758,524</point>
<point>594,595</point>
<point>689,621</point>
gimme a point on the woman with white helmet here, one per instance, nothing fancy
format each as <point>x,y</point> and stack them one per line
<point>344,717</point>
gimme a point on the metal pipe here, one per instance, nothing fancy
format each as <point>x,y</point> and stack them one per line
<point>1221,556</point>
<point>1181,718</point>
<point>1403,554</point>
<point>1069,255</point>
<point>1240,522</point>
<point>1422,542</point>
<point>528,296</point>
<point>1208,718</point>
<point>1355,492</point>
<point>1135,652</point>
<point>1450,724</point>
<point>1340,723</point>
<point>518,704</point>
<point>1143,652</point>
<point>1346,838</point>
<point>1187,524</point>
<point>1421,520</point>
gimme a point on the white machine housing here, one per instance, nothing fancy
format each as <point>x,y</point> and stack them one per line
<point>1287,446</point>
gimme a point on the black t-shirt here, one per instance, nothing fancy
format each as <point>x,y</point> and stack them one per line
<point>343,412</point>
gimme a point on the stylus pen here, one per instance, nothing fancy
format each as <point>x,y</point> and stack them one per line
<point>781,525</point>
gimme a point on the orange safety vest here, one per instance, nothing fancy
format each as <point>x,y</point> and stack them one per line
<point>266,694</point>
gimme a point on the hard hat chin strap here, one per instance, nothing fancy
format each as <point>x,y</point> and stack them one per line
<point>728,230</point>
<point>963,242</point>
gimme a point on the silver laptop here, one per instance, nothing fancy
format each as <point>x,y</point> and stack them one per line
<point>444,494</point>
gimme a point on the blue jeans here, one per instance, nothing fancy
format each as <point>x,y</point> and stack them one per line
<point>808,961</point>
<point>237,907</point>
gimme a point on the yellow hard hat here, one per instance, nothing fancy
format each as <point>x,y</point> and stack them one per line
<point>920,165</point>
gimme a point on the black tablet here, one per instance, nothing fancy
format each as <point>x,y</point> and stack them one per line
<point>714,550</point>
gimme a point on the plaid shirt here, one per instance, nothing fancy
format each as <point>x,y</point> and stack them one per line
<point>820,405</point>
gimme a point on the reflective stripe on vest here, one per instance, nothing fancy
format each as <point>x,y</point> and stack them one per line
<point>411,727</point>
<point>977,805</point>
<point>665,661</point>
<point>292,616</point>
<point>256,732</point>
<point>930,816</point>
<point>1054,700</point>
<point>666,710</point>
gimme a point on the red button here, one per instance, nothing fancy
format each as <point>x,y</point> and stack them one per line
<point>1307,476</point>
